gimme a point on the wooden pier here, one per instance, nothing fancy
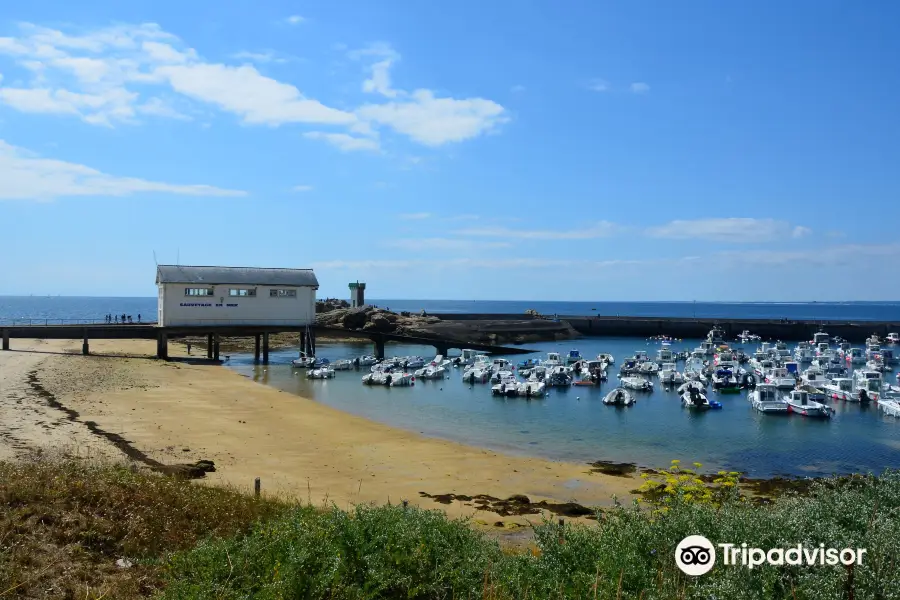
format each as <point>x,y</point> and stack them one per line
<point>213,334</point>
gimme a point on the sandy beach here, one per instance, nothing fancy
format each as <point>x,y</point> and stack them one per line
<point>180,411</point>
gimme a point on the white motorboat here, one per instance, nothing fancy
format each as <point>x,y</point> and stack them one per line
<point>669,375</point>
<point>531,388</point>
<point>780,378</point>
<point>695,369</point>
<point>782,352</point>
<point>890,407</point>
<point>553,360</point>
<point>637,383</point>
<point>893,338</point>
<point>414,362</point>
<point>820,337</point>
<point>665,354</point>
<point>304,362</point>
<point>875,365</point>
<point>608,358</point>
<point>873,340</point>
<point>762,367</point>
<point>640,356</point>
<point>321,373</point>
<point>596,367</point>
<point>869,385</point>
<point>342,365</point>
<point>841,388</point>
<point>855,356</point>
<point>478,372</point>
<point>725,379</point>
<point>766,399</point>
<point>725,359</point>
<point>367,360</point>
<point>814,378</point>
<point>431,372</point>
<point>558,377</point>
<point>648,368</point>
<point>630,366</point>
<point>690,384</point>
<point>707,348</point>
<point>873,351</point>
<point>467,356</point>
<point>499,376</point>
<point>401,379</point>
<point>799,402</point>
<point>715,336</point>
<point>747,337</point>
<point>695,398</point>
<point>619,397</point>
<point>375,378</point>
<point>804,353</point>
<point>823,349</point>
<point>508,386</point>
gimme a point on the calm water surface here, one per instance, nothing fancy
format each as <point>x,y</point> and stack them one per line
<point>573,424</point>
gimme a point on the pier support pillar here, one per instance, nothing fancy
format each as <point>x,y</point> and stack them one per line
<point>216,347</point>
<point>379,349</point>
<point>6,339</point>
<point>256,349</point>
<point>209,346</point>
<point>442,350</point>
<point>162,345</point>
<point>312,337</point>
<point>85,348</point>
<point>265,348</point>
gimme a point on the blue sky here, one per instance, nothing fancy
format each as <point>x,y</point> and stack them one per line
<point>471,150</point>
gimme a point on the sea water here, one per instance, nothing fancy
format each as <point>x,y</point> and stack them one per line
<point>573,424</point>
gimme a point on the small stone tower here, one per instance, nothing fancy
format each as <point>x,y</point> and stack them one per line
<point>357,294</point>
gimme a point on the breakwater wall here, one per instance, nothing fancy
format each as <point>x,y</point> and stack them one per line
<point>679,327</point>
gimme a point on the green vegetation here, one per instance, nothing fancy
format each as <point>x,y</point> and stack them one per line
<point>189,541</point>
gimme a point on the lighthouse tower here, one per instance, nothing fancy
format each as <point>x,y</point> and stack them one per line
<point>357,294</point>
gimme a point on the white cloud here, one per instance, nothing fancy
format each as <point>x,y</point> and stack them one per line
<point>259,57</point>
<point>344,142</point>
<point>436,121</point>
<point>108,76</point>
<point>601,229</point>
<point>159,108</point>
<point>416,216</point>
<point>856,255</point>
<point>639,88</point>
<point>380,81</point>
<point>800,231</point>
<point>598,85</point>
<point>294,20</point>
<point>302,188</point>
<point>255,97</point>
<point>728,230</point>
<point>456,244</point>
<point>502,264</point>
<point>25,176</point>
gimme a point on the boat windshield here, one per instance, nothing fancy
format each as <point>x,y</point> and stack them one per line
<point>767,394</point>
<point>873,385</point>
<point>845,385</point>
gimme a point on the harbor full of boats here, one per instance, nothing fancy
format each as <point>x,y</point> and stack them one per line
<point>803,379</point>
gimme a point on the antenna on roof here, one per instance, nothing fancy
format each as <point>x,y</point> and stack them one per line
<point>155,262</point>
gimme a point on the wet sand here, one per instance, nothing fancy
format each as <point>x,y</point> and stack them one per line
<point>180,411</point>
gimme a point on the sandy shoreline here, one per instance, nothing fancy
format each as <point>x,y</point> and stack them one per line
<point>176,412</point>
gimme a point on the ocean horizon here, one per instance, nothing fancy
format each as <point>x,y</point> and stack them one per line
<point>89,308</point>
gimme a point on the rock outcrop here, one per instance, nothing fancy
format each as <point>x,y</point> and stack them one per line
<point>500,332</point>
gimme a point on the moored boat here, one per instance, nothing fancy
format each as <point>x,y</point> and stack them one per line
<point>619,397</point>
<point>799,402</point>
<point>637,383</point>
<point>766,399</point>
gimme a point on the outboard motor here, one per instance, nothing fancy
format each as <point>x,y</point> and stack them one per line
<point>863,396</point>
<point>388,379</point>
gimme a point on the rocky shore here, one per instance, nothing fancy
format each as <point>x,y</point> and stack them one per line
<point>335,314</point>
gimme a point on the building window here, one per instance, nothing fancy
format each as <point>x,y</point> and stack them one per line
<point>242,292</point>
<point>283,293</point>
<point>198,291</point>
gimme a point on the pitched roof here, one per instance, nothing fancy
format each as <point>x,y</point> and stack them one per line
<point>235,275</point>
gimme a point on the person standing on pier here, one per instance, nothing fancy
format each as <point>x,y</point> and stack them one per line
<point>139,317</point>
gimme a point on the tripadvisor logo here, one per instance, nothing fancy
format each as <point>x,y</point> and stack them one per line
<point>695,555</point>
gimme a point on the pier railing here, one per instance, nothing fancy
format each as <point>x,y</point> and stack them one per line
<point>47,322</point>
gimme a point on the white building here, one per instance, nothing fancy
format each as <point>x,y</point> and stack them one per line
<point>228,296</point>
